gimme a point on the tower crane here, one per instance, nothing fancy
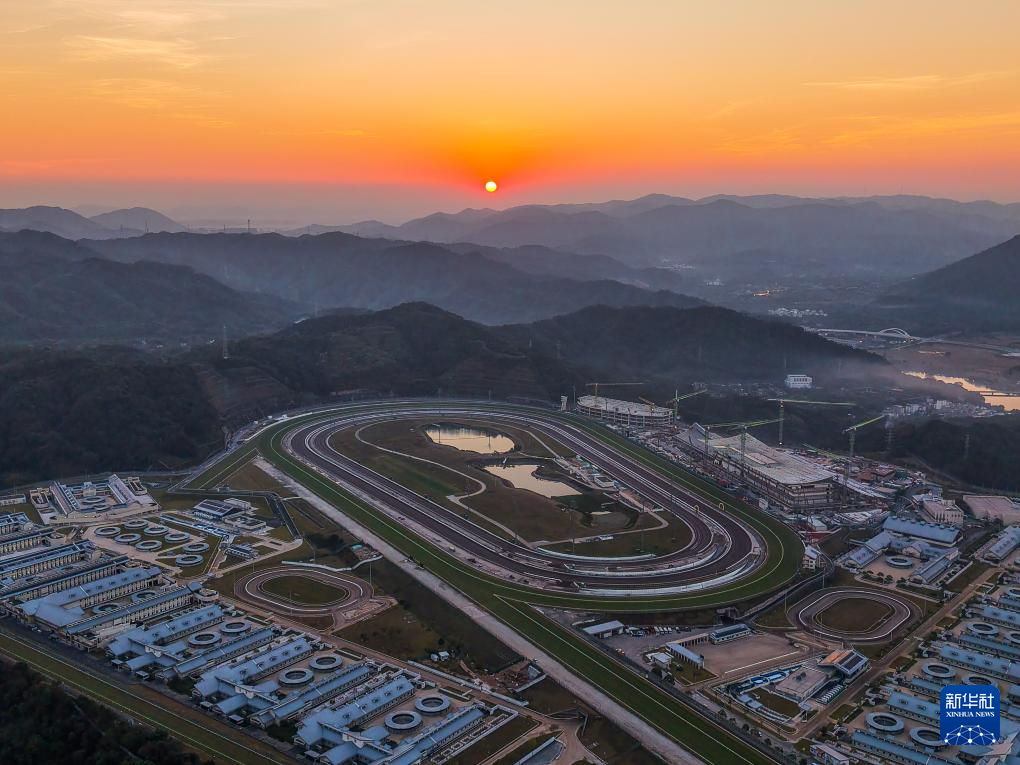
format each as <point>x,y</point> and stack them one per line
<point>677,398</point>
<point>784,401</point>
<point>744,427</point>
<point>852,430</point>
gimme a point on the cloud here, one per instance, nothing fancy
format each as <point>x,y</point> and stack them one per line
<point>338,132</point>
<point>176,53</point>
<point>914,82</point>
<point>878,127</point>
<point>143,93</point>
<point>777,139</point>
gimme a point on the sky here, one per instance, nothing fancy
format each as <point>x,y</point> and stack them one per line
<point>300,111</point>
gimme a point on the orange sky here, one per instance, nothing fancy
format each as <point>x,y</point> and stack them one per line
<point>256,103</point>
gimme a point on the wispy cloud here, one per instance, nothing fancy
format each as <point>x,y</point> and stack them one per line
<point>774,140</point>
<point>913,82</point>
<point>338,132</point>
<point>870,128</point>
<point>144,93</point>
<point>176,53</point>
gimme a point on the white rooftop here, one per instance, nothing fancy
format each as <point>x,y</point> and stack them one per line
<point>632,408</point>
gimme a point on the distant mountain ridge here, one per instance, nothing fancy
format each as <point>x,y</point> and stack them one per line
<point>343,270</point>
<point>138,219</point>
<point>897,236</point>
<point>56,291</point>
<point>976,293</point>
<point>72,225</point>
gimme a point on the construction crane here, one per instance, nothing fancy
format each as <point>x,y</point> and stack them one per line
<point>784,401</point>
<point>744,435</point>
<point>677,398</point>
<point>596,385</point>
<point>852,430</point>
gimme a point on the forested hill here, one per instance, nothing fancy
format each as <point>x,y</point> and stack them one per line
<point>105,409</point>
<point>978,293</point>
<point>707,344</point>
<point>55,291</point>
<point>342,270</point>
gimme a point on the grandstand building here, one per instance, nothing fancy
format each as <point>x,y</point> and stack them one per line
<point>624,412</point>
<point>790,482</point>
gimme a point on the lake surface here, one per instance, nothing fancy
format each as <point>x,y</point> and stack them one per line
<point>991,397</point>
<point>469,439</point>
<point>523,477</point>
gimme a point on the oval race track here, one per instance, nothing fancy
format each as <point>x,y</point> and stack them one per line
<point>805,614</point>
<point>251,588</point>
<point>723,549</point>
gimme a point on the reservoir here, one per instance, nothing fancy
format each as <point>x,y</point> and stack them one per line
<point>469,439</point>
<point>523,477</point>
<point>1011,403</point>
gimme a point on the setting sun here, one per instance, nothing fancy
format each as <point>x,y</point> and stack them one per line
<point>491,186</point>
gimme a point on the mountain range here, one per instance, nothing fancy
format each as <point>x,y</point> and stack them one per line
<point>343,270</point>
<point>60,292</point>
<point>978,293</point>
<point>72,225</point>
<point>887,236</point>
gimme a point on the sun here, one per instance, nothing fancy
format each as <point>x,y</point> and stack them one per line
<point>491,186</point>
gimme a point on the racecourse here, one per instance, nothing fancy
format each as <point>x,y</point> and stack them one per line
<point>513,603</point>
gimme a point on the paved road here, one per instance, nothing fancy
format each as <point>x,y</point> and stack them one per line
<point>722,544</point>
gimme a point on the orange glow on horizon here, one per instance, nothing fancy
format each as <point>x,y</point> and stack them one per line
<point>824,97</point>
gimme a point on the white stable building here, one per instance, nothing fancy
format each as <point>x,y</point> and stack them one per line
<point>624,412</point>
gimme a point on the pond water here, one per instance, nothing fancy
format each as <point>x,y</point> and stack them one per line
<point>469,439</point>
<point>991,397</point>
<point>522,476</point>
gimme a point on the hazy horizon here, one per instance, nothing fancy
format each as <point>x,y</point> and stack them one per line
<point>307,206</point>
<point>306,111</point>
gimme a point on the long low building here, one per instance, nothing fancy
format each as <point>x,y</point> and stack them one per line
<point>315,694</point>
<point>224,652</point>
<point>165,602</point>
<point>330,725</point>
<point>915,708</point>
<point>59,609</point>
<point>788,480</point>
<point>1003,669</point>
<point>226,679</point>
<point>891,750</point>
<point>933,532</point>
<point>624,412</point>
<point>44,559</point>
<point>1007,541</point>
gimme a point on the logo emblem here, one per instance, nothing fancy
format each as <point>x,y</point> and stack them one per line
<point>969,715</point>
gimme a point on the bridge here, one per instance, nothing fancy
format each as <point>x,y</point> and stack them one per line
<point>896,333</point>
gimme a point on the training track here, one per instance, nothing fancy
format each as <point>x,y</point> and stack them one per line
<point>805,614</point>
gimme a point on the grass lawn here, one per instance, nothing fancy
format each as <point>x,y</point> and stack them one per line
<point>488,746</point>
<point>422,623</point>
<point>657,541</point>
<point>600,735</point>
<point>526,748</point>
<point>775,702</point>
<point>250,477</point>
<point>688,674</point>
<point>854,615</point>
<point>305,590</point>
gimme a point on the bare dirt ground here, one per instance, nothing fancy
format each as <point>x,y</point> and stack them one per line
<point>983,366</point>
<point>728,661</point>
